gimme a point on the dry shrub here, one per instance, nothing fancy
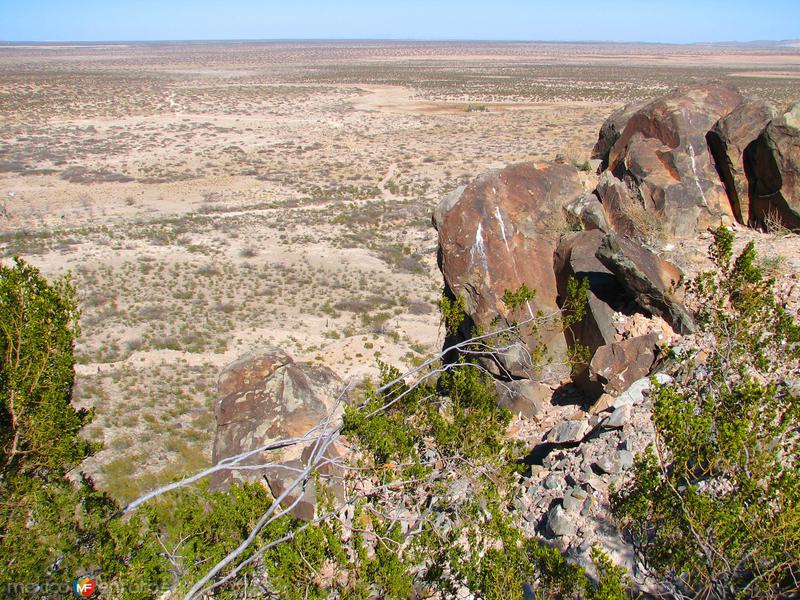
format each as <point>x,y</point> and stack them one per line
<point>647,222</point>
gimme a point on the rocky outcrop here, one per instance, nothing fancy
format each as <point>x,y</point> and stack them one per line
<point>777,172</point>
<point>498,233</point>
<point>265,396</point>
<point>614,363</point>
<point>575,257</point>
<point>662,151</point>
<point>651,281</point>
<point>732,144</point>
<point>611,131</point>
<point>695,158</point>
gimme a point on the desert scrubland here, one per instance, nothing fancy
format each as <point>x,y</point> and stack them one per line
<point>210,198</point>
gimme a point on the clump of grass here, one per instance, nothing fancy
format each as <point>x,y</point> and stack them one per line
<point>773,223</point>
<point>248,252</point>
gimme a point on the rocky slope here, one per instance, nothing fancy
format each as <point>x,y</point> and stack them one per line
<point>693,159</point>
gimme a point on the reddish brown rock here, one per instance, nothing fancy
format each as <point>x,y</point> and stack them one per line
<point>663,151</point>
<point>302,497</point>
<point>611,130</point>
<point>651,281</point>
<point>616,366</point>
<point>499,233</point>
<point>617,200</point>
<point>731,138</point>
<point>777,172</point>
<point>587,213</point>
<point>265,396</point>
<point>523,396</point>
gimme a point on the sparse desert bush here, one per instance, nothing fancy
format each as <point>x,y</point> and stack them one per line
<point>419,308</point>
<point>713,507</point>
<point>648,222</point>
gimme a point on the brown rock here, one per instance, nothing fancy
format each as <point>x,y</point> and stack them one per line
<point>777,172</point>
<point>612,129</point>
<point>265,396</point>
<point>616,199</point>
<point>587,213</point>
<point>651,281</point>
<point>281,478</point>
<point>603,403</point>
<point>575,257</point>
<point>731,138</point>
<point>616,366</point>
<point>499,233</point>
<point>663,151</point>
<point>523,396</point>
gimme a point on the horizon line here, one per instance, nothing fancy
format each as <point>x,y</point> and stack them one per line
<point>396,39</point>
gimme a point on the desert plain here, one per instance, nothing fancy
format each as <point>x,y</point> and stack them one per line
<point>210,198</point>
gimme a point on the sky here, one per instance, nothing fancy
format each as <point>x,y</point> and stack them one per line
<point>671,21</point>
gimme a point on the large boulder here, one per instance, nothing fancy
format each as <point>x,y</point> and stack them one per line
<point>499,233</point>
<point>663,151</point>
<point>523,396</point>
<point>777,172</point>
<point>265,396</point>
<point>586,212</point>
<point>732,144</point>
<point>611,130</point>
<point>651,281</point>
<point>303,498</point>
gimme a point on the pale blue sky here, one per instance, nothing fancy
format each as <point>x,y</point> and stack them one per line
<point>612,20</point>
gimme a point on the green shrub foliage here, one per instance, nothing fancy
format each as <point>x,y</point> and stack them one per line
<point>39,427</point>
<point>439,435</point>
<point>713,508</point>
<point>415,442</point>
<point>46,520</point>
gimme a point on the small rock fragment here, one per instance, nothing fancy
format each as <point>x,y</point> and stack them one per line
<point>553,482</point>
<point>568,431</point>
<point>625,459</point>
<point>604,402</point>
<point>559,522</point>
<point>571,504</point>
<point>619,417</point>
<point>607,464</point>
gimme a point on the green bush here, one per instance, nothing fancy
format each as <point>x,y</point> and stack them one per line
<point>46,520</point>
<point>713,507</point>
<point>39,427</point>
<point>457,418</point>
<point>55,527</point>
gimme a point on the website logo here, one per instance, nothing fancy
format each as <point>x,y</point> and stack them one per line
<point>83,587</point>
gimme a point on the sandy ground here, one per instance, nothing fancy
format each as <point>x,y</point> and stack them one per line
<point>210,198</point>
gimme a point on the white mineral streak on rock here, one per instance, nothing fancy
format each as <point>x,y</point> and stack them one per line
<point>479,248</point>
<point>502,227</point>
<point>692,156</point>
<point>502,224</point>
